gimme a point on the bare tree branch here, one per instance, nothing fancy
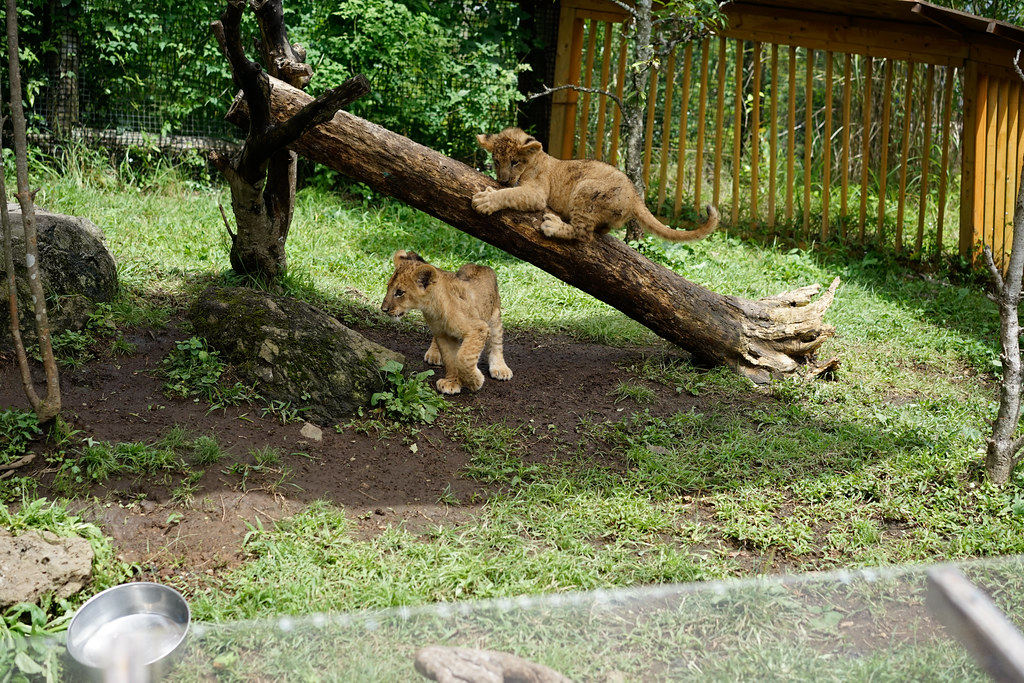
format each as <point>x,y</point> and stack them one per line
<point>625,6</point>
<point>577,88</point>
<point>993,270</point>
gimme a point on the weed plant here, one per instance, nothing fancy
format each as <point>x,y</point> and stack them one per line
<point>408,399</point>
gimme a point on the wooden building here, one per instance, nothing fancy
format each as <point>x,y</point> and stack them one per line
<point>892,120</point>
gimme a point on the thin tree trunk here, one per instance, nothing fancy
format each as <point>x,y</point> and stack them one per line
<point>635,103</point>
<point>1003,450</point>
<point>48,407</point>
<point>262,178</point>
<point>760,339</point>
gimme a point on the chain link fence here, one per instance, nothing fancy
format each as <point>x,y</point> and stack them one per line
<point>153,75</point>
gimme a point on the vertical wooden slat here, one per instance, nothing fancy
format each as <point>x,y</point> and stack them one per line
<point>1012,161</point>
<point>808,138</point>
<point>588,79</point>
<point>702,110</point>
<point>684,128</point>
<point>620,82</point>
<point>947,134</point>
<point>652,100</point>
<point>926,156</point>
<point>997,143</point>
<point>563,102</point>
<point>755,132</point>
<point>773,135</point>
<point>865,153</point>
<point>844,183</point>
<point>908,100</point>
<point>666,128</point>
<point>826,147</point>
<point>603,102</point>
<point>971,179</point>
<point>737,134</point>
<point>791,135</point>
<point>989,181</point>
<point>980,163</point>
<point>574,75</point>
<point>883,170</point>
<point>719,118</point>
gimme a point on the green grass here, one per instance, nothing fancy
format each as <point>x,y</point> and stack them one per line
<point>880,467</point>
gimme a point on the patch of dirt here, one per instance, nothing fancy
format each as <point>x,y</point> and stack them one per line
<point>410,477</point>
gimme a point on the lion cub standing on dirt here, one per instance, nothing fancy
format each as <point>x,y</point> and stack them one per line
<point>462,309</point>
<point>594,197</point>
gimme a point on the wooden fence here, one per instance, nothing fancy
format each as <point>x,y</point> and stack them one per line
<point>807,141</point>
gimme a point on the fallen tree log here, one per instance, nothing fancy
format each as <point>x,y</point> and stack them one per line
<point>761,339</point>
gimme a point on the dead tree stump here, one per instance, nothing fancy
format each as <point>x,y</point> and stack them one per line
<point>761,339</point>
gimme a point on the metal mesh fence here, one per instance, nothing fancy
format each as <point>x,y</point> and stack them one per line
<point>114,75</point>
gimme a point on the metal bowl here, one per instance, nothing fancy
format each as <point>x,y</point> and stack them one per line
<point>130,632</point>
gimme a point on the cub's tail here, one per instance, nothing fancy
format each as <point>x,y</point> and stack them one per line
<point>655,227</point>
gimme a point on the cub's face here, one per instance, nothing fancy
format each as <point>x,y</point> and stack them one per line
<point>408,286</point>
<point>512,151</point>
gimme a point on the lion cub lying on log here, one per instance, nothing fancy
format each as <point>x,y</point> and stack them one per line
<point>462,309</point>
<point>594,197</point>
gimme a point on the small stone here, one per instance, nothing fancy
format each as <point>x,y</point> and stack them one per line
<point>312,432</point>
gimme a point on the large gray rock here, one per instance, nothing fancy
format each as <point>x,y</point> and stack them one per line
<point>36,563</point>
<point>292,351</point>
<point>78,272</point>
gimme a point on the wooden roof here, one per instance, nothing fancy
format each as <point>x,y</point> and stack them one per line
<point>902,29</point>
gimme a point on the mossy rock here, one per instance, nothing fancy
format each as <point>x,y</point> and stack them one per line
<point>292,351</point>
<point>78,272</point>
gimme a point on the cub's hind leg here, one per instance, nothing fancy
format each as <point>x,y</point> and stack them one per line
<point>496,366</point>
<point>581,228</point>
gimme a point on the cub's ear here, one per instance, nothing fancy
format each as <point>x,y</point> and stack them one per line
<point>485,141</point>
<point>402,255</point>
<point>425,276</point>
<point>532,146</point>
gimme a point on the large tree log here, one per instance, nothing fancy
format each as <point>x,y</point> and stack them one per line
<point>760,339</point>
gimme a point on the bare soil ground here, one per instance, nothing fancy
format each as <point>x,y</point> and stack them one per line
<point>406,477</point>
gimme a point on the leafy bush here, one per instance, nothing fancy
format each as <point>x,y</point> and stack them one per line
<point>17,430</point>
<point>432,81</point>
<point>411,399</point>
<point>192,370</point>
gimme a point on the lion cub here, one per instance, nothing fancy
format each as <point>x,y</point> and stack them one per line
<point>462,309</point>
<point>594,197</point>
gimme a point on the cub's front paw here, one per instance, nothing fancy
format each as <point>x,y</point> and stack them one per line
<point>433,355</point>
<point>474,381</point>
<point>502,372</point>
<point>486,201</point>
<point>449,386</point>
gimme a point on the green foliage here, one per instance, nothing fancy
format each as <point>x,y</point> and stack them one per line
<point>72,348</point>
<point>98,461</point>
<point>206,450</point>
<point>193,370</point>
<point>410,399</point>
<point>17,430</point>
<point>27,632</point>
<point>159,59</point>
<point>432,79</point>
